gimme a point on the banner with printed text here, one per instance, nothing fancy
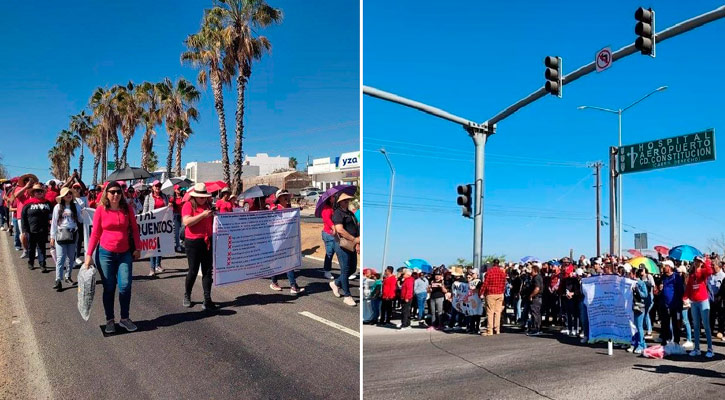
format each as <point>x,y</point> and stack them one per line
<point>156,229</point>
<point>608,299</point>
<point>258,244</point>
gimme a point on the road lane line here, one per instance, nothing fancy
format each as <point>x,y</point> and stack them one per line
<point>330,323</point>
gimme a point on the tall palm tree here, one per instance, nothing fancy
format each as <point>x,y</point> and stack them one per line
<point>93,141</point>
<point>240,18</point>
<point>56,163</point>
<point>67,143</point>
<point>103,104</point>
<point>205,51</point>
<point>177,107</point>
<point>181,138</point>
<point>150,117</point>
<point>82,125</point>
<point>130,109</point>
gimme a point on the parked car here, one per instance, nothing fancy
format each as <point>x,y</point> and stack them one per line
<point>305,191</point>
<point>312,197</point>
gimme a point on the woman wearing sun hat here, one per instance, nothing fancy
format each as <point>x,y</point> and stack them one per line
<point>113,221</point>
<point>198,217</point>
<point>282,201</point>
<point>347,227</point>
<point>66,216</point>
<point>223,205</point>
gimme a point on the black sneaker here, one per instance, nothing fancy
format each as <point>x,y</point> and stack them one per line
<point>45,270</point>
<point>57,285</point>
<point>209,305</point>
<point>187,301</point>
<point>68,281</point>
<point>31,266</point>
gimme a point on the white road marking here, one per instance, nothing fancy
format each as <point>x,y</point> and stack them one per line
<point>330,323</point>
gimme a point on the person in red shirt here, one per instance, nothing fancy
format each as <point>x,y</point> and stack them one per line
<point>328,235</point>
<point>406,297</point>
<point>223,205</point>
<point>154,201</point>
<point>696,294</point>
<point>198,217</point>
<point>282,201</point>
<point>176,202</point>
<point>390,285</point>
<point>20,196</point>
<point>51,192</point>
<point>494,284</point>
<point>113,221</point>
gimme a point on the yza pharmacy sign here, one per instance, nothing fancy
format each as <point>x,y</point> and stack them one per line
<point>671,152</point>
<point>349,160</point>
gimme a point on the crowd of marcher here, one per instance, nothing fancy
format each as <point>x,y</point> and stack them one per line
<point>684,299</point>
<point>37,214</point>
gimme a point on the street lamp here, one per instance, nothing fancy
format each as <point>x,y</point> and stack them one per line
<point>390,207</point>
<point>619,177</point>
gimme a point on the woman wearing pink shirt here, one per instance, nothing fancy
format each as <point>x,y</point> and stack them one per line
<point>113,221</point>
<point>696,294</point>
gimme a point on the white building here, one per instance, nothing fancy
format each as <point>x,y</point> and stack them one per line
<point>213,171</point>
<point>345,169</point>
<point>267,164</point>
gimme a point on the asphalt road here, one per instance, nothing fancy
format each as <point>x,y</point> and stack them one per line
<point>417,364</point>
<point>256,346</point>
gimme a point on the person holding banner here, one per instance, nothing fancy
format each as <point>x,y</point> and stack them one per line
<point>282,201</point>
<point>116,238</point>
<point>63,234</point>
<point>348,231</point>
<point>198,218</point>
<point>696,294</point>
<point>152,202</point>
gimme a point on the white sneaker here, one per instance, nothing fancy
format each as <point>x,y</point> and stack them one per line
<point>328,275</point>
<point>565,331</point>
<point>695,353</point>
<point>335,289</point>
<point>24,254</point>
<point>688,345</point>
<point>630,349</point>
<point>349,301</point>
<point>79,261</point>
<point>351,277</point>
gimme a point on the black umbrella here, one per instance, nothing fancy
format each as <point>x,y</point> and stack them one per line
<point>259,191</point>
<point>128,173</point>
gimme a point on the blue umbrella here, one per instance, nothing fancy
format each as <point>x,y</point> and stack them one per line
<point>529,259</point>
<point>684,253</point>
<point>423,265</point>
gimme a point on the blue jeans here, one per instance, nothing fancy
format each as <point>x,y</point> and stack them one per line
<point>376,309</point>
<point>116,270</point>
<point>290,276</point>
<point>648,316</point>
<point>330,245</point>
<point>701,314</point>
<point>584,318</point>
<point>421,297</point>
<point>518,308</point>
<point>638,339</point>
<point>2,215</point>
<point>16,232</point>
<point>686,323</point>
<point>177,230</point>
<point>348,265</point>
<point>155,262</point>
<point>64,253</point>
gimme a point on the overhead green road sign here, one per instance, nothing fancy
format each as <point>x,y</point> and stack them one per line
<point>671,152</point>
<point>111,165</point>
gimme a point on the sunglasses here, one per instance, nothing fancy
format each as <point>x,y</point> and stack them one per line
<point>114,192</point>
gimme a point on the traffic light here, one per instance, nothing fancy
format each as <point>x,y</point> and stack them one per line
<point>465,199</point>
<point>553,75</point>
<point>645,30</point>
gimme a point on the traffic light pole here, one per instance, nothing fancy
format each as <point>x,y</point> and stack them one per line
<point>479,134</point>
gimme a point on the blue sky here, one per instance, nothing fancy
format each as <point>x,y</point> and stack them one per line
<point>477,58</point>
<point>302,100</point>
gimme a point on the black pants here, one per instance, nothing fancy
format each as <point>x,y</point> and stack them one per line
<point>474,323</point>
<point>37,240</point>
<point>405,305</point>
<point>79,242</point>
<point>386,311</point>
<point>535,313</point>
<point>198,254</point>
<point>717,316</point>
<point>668,314</point>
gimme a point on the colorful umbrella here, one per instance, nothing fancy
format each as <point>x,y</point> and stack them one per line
<point>662,250</point>
<point>647,262</point>
<point>349,189</point>
<point>423,265</point>
<point>215,186</point>
<point>684,253</point>
<point>529,259</point>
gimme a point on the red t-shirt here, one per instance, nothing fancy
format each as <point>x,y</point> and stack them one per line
<point>696,288</point>
<point>327,223</point>
<point>50,195</point>
<point>158,201</point>
<point>203,228</point>
<point>20,200</point>
<point>224,206</point>
<point>176,204</point>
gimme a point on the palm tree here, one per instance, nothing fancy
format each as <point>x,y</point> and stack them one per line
<point>293,163</point>
<point>205,52</point>
<point>103,104</point>
<point>93,141</point>
<point>150,117</point>
<point>181,138</point>
<point>56,162</point>
<point>67,143</point>
<point>130,109</point>
<point>240,17</point>
<point>176,105</point>
<point>82,125</point>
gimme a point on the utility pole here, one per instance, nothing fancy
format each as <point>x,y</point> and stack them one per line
<point>390,209</point>
<point>613,211</point>
<point>598,188</point>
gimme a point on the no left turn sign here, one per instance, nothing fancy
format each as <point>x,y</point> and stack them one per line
<point>603,59</point>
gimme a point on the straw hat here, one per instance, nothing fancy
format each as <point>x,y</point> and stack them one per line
<point>64,191</point>
<point>455,271</point>
<point>199,191</point>
<point>224,189</point>
<point>344,196</point>
<point>38,186</point>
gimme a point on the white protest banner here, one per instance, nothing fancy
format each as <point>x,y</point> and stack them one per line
<point>156,229</point>
<point>466,300</point>
<point>258,244</point>
<point>608,299</point>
